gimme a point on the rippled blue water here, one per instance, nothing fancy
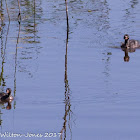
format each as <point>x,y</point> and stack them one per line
<point>82,88</point>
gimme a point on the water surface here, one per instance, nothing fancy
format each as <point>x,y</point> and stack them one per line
<point>74,82</point>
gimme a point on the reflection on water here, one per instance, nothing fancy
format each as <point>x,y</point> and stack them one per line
<point>67,101</point>
<point>68,112</point>
<point>3,61</point>
<point>133,3</point>
<point>96,19</point>
<point>3,52</point>
<point>5,105</point>
<point>106,62</point>
<point>8,105</point>
<point>126,50</point>
<point>16,59</point>
<point>7,10</point>
<point>129,17</point>
<point>32,64</point>
<point>28,29</point>
<point>33,13</point>
<point>31,18</point>
<point>10,66</point>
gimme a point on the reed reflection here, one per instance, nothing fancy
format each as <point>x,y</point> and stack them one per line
<point>16,59</point>
<point>1,15</point>
<point>32,17</point>
<point>67,101</point>
<point>68,112</point>
<point>3,55</point>
<point>3,51</point>
<point>3,104</point>
<point>7,10</point>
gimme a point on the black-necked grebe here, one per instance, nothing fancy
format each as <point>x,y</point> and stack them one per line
<point>6,96</point>
<point>130,43</point>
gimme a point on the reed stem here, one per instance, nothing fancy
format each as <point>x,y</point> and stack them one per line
<point>67,17</point>
<point>19,14</point>
<point>7,10</point>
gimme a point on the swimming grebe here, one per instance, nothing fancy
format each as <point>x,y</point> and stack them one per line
<point>130,43</point>
<point>6,96</point>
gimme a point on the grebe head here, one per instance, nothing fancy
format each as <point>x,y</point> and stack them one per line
<point>126,37</point>
<point>8,90</point>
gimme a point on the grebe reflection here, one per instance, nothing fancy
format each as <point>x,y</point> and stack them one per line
<point>126,50</point>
